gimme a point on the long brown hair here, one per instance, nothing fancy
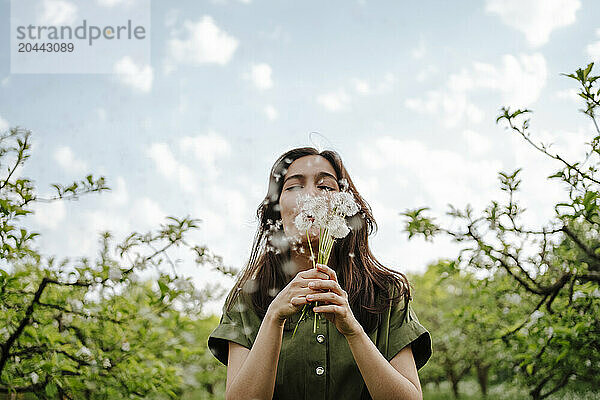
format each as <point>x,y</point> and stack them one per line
<point>367,282</point>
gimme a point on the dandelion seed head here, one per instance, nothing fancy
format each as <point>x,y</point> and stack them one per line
<point>337,227</point>
<point>125,346</point>
<point>351,255</point>
<point>343,183</point>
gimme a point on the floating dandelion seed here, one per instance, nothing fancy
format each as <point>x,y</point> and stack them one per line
<point>250,286</point>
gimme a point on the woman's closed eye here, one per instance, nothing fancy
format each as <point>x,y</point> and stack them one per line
<point>326,187</point>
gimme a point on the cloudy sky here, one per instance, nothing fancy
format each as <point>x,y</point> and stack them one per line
<point>406,93</point>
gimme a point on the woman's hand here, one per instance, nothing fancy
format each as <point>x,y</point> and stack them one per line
<point>337,310</point>
<point>293,297</point>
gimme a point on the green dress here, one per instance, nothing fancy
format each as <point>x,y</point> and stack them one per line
<point>319,366</point>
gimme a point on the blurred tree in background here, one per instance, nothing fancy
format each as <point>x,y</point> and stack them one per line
<point>553,339</point>
<point>125,325</point>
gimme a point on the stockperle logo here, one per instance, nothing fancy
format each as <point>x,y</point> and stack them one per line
<point>78,36</point>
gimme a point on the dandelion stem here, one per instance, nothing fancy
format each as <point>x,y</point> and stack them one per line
<point>314,266</point>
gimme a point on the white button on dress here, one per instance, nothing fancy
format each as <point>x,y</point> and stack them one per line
<point>320,338</point>
<point>320,370</point>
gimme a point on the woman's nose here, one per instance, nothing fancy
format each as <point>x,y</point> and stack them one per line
<point>312,190</point>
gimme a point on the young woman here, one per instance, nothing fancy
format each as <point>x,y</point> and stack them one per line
<point>370,343</point>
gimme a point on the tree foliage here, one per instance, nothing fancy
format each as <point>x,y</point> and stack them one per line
<point>124,325</point>
<point>556,342</point>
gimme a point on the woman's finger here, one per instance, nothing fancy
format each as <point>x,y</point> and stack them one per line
<point>299,300</point>
<point>329,308</point>
<point>330,272</point>
<point>320,284</point>
<point>327,296</point>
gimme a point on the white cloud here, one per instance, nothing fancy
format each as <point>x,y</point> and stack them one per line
<point>535,18</point>
<point>593,49</point>
<point>426,72</point>
<point>101,113</point>
<point>207,149</point>
<point>339,100</point>
<point>147,213</point>
<point>4,125</point>
<point>271,112</point>
<point>56,12</point>
<point>276,34</point>
<point>260,75</point>
<point>518,80</point>
<point>446,176</point>
<point>361,86</point>
<point>49,215</point>
<point>204,43</point>
<point>112,3</point>
<point>568,94</point>
<point>476,142</point>
<point>454,107</point>
<point>5,81</point>
<point>133,75</point>
<point>170,167</point>
<point>334,101</point>
<point>419,51</point>
<point>65,157</point>
<point>119,195</point>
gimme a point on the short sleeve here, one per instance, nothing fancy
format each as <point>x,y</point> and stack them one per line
<point>234,327</point>
<point>406,329</point>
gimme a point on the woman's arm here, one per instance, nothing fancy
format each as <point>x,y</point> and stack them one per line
<point>383,380</point>
<point>254,376</point>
